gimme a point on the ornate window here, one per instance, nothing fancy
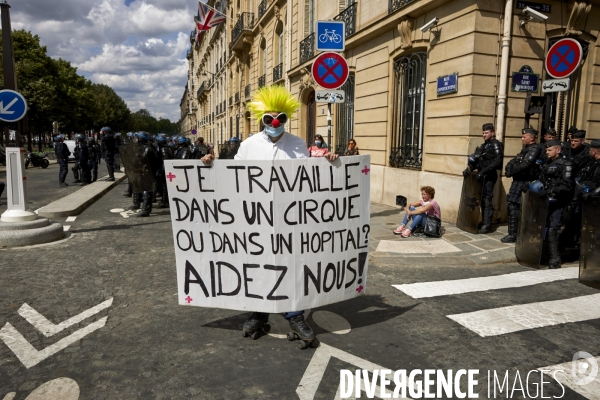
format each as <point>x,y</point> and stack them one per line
<point>345,117</point>
<point>409,106</point>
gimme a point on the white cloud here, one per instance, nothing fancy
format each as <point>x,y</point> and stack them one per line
<point>138,49</point>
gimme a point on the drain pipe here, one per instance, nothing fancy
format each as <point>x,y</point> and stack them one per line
<point>502,97</point>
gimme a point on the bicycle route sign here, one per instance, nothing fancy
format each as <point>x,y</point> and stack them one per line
<point>330,70</point>
<point>331,36</point>
<point>13,106</point>
<point>563,58</point>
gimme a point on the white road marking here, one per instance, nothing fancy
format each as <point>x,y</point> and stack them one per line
<point>10,396</point>
<point>71,219</point>
<point>307,389</point>
<point>66,228</point>
<point>29,356</point>
<point>332,322</point>
<point>60,388</point>
<point>591,390</point>
<point>117,210</point>
<point>47,328</point>
<point>435,246</point>
<point>514,280</point>
<point>500,321</point>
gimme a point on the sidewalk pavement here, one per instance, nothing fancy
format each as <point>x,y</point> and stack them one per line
<point>454,247</point>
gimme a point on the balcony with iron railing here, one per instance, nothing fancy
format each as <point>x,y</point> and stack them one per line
<point>307,48</point>
<point>237,97</point>
<point>278,72</point>
<point>262,8</point>
<point>262,80</point>
<point>349,17</point>
<point>201,89</point>
<point>247,91</point>
<point>395,5</point>
<point>243,27</point>
<point>409,156</point>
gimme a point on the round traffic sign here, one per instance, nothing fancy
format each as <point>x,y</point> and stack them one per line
<point>13,106</point>
<point>330,70</point>
<point>563,58</point>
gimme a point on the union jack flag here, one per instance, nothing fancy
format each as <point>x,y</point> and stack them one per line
<point>207,18</point>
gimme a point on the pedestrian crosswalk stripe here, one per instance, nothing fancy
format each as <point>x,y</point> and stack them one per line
<point>590,390</point>
<point>514,280</point>
<point>500,321</point>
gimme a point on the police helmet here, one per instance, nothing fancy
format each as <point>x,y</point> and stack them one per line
<point>57,138</point>
<point>106,129</point>
<point>118,134</point>
<point>234,140</point>
<point>161,138</point>
<point>79,137</point>
<point>536,186</point>
<point>143,137</point>
<point>188,141</point>
<point>92,140</point>
<point>180,140</point>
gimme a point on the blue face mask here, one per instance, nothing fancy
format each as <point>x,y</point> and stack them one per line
<point>318,143</point>
<point>274,132</point>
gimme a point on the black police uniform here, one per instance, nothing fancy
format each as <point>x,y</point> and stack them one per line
<point>557,178</point>
<point>109,148</point>
<point>487,160</point>
<point>164,153</point>
<point>589,178</point>
<point>151,159</point>
<point>62,157</point>
<point>523,169</point>
<point>183,152</point>
<point>95,150</point>
<point>201,150</point>
<point>580,157</point>
<point>83,159</point>
<point>76,167</point>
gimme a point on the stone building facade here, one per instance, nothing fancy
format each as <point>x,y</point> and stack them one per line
<point>415,137</point>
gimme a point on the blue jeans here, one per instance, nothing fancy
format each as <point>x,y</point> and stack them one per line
<point>292,314</point>
<point>417,219</point>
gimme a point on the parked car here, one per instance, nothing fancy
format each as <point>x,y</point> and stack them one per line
<point>71,145</point>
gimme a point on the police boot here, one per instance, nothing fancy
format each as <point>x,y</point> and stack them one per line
<point>111,173</point>
<point>164,198</point>
<point>75,170</point>
<point>129,191</point>
<point>488,212</point>
<point>146,205</point>
<point>137,201</point>
<point>94,175</point>
<point>554,255</point>
<point>513,223</point>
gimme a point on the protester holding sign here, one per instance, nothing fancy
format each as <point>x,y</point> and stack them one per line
<point>273,105</point>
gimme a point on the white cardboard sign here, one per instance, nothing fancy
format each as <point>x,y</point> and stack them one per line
<point>270,236</point>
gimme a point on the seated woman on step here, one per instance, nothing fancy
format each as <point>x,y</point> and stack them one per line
<point>418,212</point>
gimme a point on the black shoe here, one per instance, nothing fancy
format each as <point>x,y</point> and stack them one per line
<point>484,229</point>
<point>554,266</point>
<point>509,239</point>
<point>301,328</point>
<point>63,184</point>
<point>143,214</point>
<point>112,179</point>
<point>83,184</point>
<point>256,322</point>
<point>134,207</point>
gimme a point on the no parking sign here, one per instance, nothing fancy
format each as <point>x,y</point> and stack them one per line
<point>563,58</point>
<point>330,70</point>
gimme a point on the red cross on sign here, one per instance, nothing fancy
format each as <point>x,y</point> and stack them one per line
<point>330,70</point>
<point>563,58</point>
<point>170,177</point>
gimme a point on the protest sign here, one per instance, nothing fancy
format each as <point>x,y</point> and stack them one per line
<point>270,236</point>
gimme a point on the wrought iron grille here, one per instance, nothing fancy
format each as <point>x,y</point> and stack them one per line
<point>307,48</point>
<point>262,8</point>
<point>245,22</point>
<point>201,89</point>
<point>237,97</point>
<point>349,17</point>
<point>409,104</point>
<point>278,72</point>
<point>262,80</point>
<point>247,92</point>
<point>345,117</point>
<point>395,5</point>
<point>311,122</point>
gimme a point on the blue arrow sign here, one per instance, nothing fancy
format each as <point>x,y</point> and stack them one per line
<point>13,106</point>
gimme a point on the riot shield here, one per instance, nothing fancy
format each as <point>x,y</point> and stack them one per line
<point>589,260</point>
<point>532,224</point>
<point>469,212</point>
<point>137,168</point>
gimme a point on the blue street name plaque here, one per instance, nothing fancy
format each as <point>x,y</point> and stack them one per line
<point>447,84</point>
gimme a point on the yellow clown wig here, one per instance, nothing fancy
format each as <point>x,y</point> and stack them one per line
<point>275,98</point>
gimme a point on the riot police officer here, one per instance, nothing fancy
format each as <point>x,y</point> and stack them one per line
<point>201,149</point>
<point>580,151</point>
<point>550,134</point>
<point>589,178</point>
<point>109,149</point>
<point>62,157</point>
<point>150,159</point>
<point>95,150</point>
<point>82,158</point>
<point>557,181</point>
<point>76,167</point>
<point>487,160</point>
<point>183,150</point>
<point>164,153</point>
<point>118,143</point>
<point>523,169</point>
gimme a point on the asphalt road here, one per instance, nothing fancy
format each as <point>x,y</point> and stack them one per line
<point>138,343</point>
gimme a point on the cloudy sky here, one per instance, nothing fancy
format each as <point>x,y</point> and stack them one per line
<point>137,47</point>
